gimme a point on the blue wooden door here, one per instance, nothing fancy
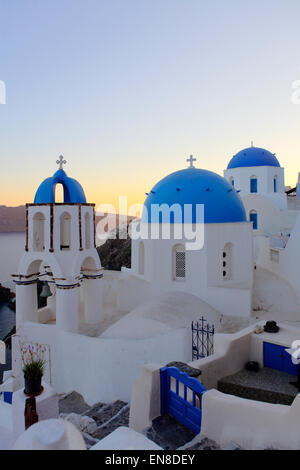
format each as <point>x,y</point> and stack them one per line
<point>184,401</point>
<point>277,358</point>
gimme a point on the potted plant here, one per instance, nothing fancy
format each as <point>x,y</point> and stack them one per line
<point>33,369</point>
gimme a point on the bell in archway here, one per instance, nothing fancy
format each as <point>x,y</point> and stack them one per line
<point>46,292</point>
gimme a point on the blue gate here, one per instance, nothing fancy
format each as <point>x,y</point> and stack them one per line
<point>181,397</point>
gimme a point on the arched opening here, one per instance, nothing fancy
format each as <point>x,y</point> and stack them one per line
<point>275,182</point>
<point>253,184</point>
<point>87,224</point>
<point>227,265</point>
<point>179,263</point>
<point>39,232</point>
<point>59,193</point>
<point>141,258</point>
<point>65,231</point>
<point>37,298</point>
<point>89,264</point>
<point>231,181</point>
<point>254,219</point>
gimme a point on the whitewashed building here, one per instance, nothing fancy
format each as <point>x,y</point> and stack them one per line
<point>95,322</point>
<point>202,255</point>
<point>274,212</point>
<point>195,251</point>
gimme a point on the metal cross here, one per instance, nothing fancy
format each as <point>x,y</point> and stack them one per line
<point>61,162</point>
<point>191,160</point>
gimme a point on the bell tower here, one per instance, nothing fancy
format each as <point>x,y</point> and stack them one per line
<point>61,251</point>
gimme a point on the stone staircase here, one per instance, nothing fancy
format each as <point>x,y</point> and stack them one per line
<point>97,421</point>
<point>267,385</point>
<point>94,422</point>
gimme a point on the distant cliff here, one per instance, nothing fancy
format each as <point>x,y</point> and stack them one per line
<point>12,219</point>
<point>116,253</point>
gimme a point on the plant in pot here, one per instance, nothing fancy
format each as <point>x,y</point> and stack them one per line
<point>33,368</point>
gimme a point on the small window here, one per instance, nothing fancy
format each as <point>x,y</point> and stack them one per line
<point>253,184</point>
<point>231,180</point>
<point>65,231</point>
<point>39,232</point>
<point>179,262</point>
<point>227,262</point>
<point>87,220</point>
<point>275,184</point>
<point>253,219</point>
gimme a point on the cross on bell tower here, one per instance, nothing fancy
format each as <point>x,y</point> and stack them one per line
<point>191,160</point>
<point>61,162</point>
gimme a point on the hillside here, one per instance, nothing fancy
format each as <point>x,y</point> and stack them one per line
<point>115,253</point>
<point>12,219</point>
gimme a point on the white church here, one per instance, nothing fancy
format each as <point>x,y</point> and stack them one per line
<point>100,327</point>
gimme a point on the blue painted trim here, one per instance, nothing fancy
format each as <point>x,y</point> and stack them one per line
<point>253,185</point>
<point>276,357</point>
<point>7,397</point>
<point>254,219</point>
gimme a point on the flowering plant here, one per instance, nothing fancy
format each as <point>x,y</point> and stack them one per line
<point>33,360</point>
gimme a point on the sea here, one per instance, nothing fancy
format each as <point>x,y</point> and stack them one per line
<point>11,250</point>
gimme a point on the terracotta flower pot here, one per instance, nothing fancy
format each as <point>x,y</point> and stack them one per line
<point>33,386</point>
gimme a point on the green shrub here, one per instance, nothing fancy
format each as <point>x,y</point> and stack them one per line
<point>34,369</point>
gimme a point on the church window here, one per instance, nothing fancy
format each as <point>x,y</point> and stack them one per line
<point>39,232</point>
<point>232,181</point>
<point>65,231</point>
<point>179,262</point>
<point>275,184</point>
<point>141,258</point>
<point>253,184</point>
<point>227,262</point>
<point>253,219</point>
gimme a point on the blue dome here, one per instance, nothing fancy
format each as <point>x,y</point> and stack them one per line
<point>73,192</point>
<point>194,186</point>
<point>253,156</point>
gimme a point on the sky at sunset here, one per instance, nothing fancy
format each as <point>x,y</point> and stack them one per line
<point>126,90</point>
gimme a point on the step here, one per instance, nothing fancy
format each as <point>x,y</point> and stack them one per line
<point>267,385</point>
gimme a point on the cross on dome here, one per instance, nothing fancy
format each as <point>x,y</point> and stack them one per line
<point>191,160</point>
<point>61,162</point>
